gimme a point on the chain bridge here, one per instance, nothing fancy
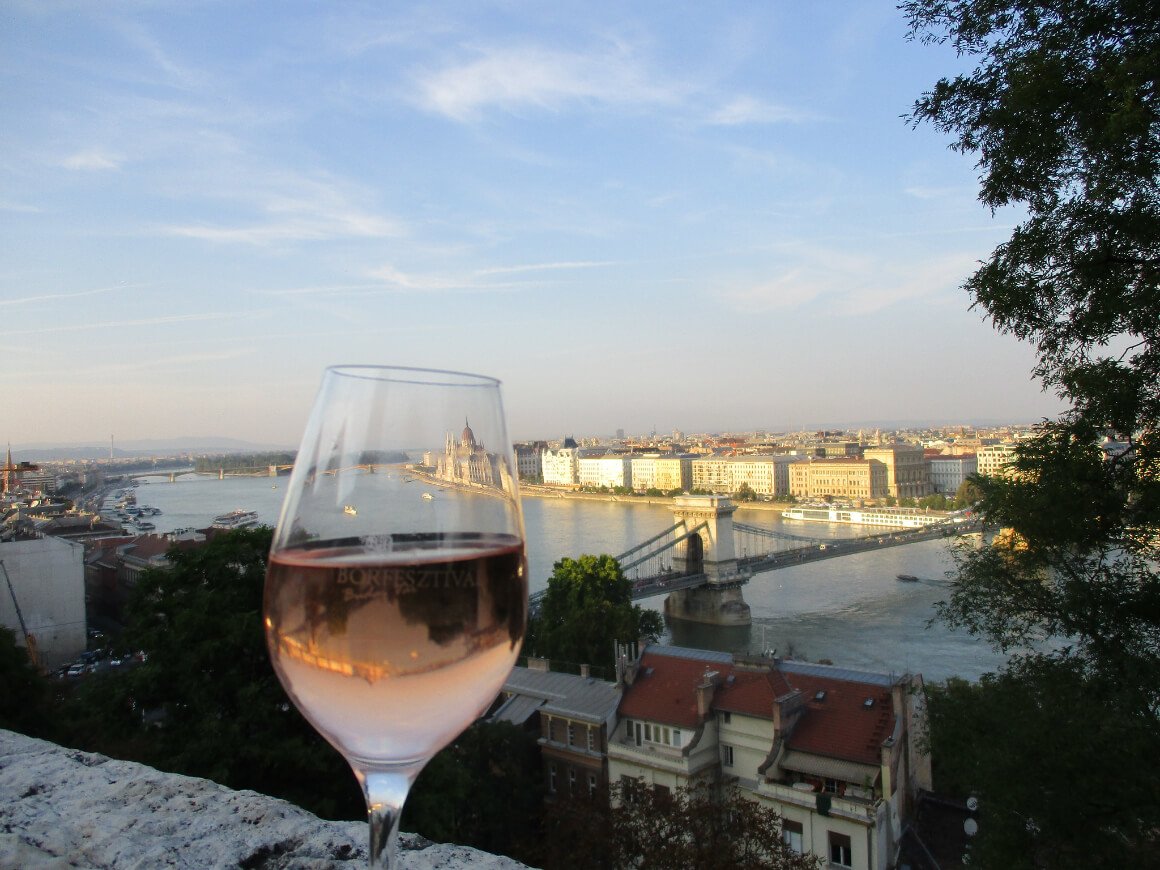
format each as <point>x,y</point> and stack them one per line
<point>701,562</point>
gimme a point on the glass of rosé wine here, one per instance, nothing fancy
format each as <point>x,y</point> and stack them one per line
<point>396,594</point>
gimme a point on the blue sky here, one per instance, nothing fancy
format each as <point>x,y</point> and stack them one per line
<point>697,216</point>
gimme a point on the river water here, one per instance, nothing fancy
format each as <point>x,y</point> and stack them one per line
<point>850,610</point>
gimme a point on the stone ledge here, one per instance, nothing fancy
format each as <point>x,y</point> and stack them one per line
<point>63,808</point>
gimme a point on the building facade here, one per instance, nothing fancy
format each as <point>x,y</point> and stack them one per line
<point>994,459</point>
<point>947,473</point>
<point>611,471</point>
<point>907,472</point>
<point>665,472</point>
<point>48,585</point>
<point>839,478</point>
<point>766,475</point>
<point>573,716</point>
<point>836,752</point>
<point>559,466</point>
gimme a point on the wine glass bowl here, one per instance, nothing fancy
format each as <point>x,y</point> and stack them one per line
<point>396,592</point>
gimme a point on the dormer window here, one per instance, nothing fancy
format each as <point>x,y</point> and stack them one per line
<point>820,695</point>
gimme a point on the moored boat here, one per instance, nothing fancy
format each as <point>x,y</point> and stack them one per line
<point>907,578</point>
<point>237,519</point>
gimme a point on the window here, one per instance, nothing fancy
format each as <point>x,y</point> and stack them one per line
<point>791,832</point>
<point>840,850</point>
<point>571,780</point>
<point>591,784</point>
<point>591,739</point>
<point>727,755</point>
<point>830,786</point>
<point>571,734</point>
<point>726,718</point>
<point>677,737</point>
<point>552,777</point>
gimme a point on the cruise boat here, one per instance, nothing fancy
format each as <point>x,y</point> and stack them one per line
<point>238,519</point>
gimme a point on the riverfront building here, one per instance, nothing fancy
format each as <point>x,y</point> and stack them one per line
<point>559,465</point>
<point>766,475</point>
<point>836,752</point>
<point>839,478</point>
<point>665,472</point>
<point>907,472</point>
<point>947,473</point>
<point>611,471</point>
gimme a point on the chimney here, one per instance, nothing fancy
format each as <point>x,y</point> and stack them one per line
<point>705,691</point>
<point>584,671</point>
<point>542,665</point>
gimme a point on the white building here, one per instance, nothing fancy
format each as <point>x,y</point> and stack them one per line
<point>559,465</point>
<point>836,752</point>
<point>48,582</point>
<point>947,473</point>
<point>663,471</point>
<point>610,471</point>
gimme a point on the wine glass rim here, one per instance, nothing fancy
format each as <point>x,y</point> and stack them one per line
<point>412,375</point>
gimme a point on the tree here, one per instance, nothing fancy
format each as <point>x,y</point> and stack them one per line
<point>655,829</point>
<point>224,714</point>
<point>968,493</point>
<point>25,695</point>
<point>1063,112</point>
<point>484,790</point>
<point>587,609</point>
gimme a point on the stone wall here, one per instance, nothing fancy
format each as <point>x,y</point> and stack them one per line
<point>63,808</point>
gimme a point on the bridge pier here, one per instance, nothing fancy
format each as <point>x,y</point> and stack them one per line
<point>711,552</point>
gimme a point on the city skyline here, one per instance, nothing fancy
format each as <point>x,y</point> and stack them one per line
<point>649,218</point>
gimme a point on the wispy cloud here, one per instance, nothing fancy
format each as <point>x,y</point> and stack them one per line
<point>296,209</point>
<point>119,324</point>
<point>91,161</point>
<point>48,297</point>
<point>849,284</point>
<point>513,79</point>
<point>749,110</point>
<point>545,267</point>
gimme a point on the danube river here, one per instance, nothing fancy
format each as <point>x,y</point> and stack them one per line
<point>850,610</point>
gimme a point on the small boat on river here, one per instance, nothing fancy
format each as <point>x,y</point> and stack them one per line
<point>907,578</point>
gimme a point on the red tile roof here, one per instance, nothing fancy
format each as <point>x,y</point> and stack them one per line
<point>840,725</point>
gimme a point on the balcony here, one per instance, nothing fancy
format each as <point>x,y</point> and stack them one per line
<point>861,810</point>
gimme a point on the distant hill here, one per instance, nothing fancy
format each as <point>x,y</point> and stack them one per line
<point>144,447</point>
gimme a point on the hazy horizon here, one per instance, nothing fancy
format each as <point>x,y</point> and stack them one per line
<point>662,217</point>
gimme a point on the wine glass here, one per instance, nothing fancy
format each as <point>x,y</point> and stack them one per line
<point>396,594</point>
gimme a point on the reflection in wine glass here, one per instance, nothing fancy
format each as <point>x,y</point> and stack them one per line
<point>393,619</point>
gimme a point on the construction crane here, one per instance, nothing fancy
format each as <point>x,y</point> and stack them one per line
<point>9,470</point>
<point>29,638</point>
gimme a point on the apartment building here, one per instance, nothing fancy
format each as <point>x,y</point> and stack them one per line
<point>611,471</point>
<point>559,465</point>
<point>766,475</point>
<point>665,472</point>
<point>573,716</point>
<point>994,459</point>
<point>836,752</point>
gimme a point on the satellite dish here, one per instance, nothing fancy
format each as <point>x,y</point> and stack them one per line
<point>970,827</point>
<point>972,803</point>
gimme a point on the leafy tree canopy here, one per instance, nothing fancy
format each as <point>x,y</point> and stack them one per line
<point>654,829</point>
<point>587,609</point>
<point>25,695</point>
<point>1062,111</point>
<point>224,714</point>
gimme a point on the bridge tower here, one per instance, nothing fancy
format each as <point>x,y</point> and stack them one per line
<point>711,552</point>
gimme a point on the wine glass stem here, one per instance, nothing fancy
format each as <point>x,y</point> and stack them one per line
<point>385,793</point>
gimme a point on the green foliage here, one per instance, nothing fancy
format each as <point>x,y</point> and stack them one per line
<point>1063,112</point>
<point>236,461</point>
<point>484,790</point>
<point>745,493</point>
<point>969,493</point>
<point>654,829</point>
<point>224,714</point>
<point>25,694</point>
<point>588,607</point>
<point>1024,742</point>
<point>936,502</point>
